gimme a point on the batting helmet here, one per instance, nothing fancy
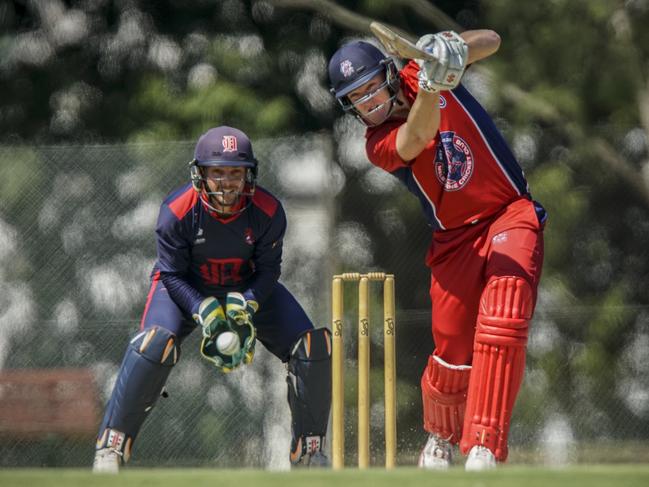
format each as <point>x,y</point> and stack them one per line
<point>356,63</point>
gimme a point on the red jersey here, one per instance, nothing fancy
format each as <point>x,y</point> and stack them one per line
<point>466,173</point>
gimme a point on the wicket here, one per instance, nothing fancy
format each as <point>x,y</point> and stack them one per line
<point>338,358</point>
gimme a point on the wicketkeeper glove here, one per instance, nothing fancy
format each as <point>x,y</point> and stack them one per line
<point>227,363</point>
<point>452,53</point>
<point>213,320</point>
<point>211,317</point>
<point>240,311</point>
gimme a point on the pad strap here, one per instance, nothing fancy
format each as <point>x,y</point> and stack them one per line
<point>443,389</point>
<point>506,306</point>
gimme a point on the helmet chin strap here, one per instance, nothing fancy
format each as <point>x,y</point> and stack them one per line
<point>200,186</point>
<point>207,201</point>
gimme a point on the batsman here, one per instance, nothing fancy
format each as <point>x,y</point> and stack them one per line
<point>219,246</point>
<point>486,251</point>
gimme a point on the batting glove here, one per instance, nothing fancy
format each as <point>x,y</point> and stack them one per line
<point>451,52</point>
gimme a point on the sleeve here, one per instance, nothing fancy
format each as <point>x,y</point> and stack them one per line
<point>174,251</point>
<point>381,144</point>
<point>381,147</point>
<point>267,258</point>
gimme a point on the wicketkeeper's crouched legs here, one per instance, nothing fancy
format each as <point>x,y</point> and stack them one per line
<point>506,308</point>
<point>309,396</point>
<point>146,365</point>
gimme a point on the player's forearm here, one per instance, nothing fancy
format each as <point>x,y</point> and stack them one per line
<point>263,282</point>
<point>482,43</point>
<point>268,268</point>
<point>181,292</point>
<point>421,126</point>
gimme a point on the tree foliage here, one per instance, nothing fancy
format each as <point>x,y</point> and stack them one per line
<point>569,89</point>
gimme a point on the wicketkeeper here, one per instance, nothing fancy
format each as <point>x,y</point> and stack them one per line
<point>425,128</point>
<point>219,241</point>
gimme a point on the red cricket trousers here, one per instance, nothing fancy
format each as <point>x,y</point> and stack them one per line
<point>462,260</point>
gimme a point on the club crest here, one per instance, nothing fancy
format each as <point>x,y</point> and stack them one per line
<point>249,237</point>
<point>229,143</point>
<point>347,68</point>
<point>453,162</point>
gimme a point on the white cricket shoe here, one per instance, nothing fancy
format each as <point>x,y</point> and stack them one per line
<point>107,460</point>
<point>480,458</point>
<point>437,453</point>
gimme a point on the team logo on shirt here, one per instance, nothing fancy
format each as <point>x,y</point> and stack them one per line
<point>442,101</point>
<point>199,237</point>
<point>453,161</point>
<point>249,236</point>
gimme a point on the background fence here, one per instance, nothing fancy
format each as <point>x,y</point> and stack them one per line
<point>76,248</point>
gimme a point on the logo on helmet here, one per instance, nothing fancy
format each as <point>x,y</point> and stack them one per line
<point>229,143</point>
<point>346,68</point>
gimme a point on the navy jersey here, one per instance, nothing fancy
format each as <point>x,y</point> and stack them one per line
<point>203,254</point>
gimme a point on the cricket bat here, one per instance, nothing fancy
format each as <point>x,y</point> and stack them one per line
<point>398,45</point>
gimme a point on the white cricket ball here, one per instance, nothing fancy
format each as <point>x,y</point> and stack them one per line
<point>228,343</point>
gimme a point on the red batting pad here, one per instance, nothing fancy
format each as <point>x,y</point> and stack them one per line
<point>443,390</point>
<point>506,307</point>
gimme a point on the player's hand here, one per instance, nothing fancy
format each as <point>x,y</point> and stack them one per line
<point>211,317</point>
<point>214,321</point>
<point>227,363</point>
<point>452,53</point>
<point>239,309</point>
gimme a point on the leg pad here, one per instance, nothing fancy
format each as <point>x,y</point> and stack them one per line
<point>444,390</point>
<point>506,306</point>
<point>309,391</point>
<point>146,365</point>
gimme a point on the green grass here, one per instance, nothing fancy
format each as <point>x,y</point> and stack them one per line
<point>586,476</point>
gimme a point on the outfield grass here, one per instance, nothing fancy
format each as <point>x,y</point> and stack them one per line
<point>582,476</point>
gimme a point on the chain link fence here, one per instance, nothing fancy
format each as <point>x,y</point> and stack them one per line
<point>76,248</point>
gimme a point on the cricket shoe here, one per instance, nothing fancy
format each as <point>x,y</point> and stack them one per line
<point>107,460</point>
<point>318,460</point>
<point>310,453</point>
<point>313,460</point>
<point>437,453</point>
<point>480,458</point>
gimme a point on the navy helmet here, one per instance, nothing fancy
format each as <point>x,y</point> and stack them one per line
<point>223,146</point>
<point>356,63</point>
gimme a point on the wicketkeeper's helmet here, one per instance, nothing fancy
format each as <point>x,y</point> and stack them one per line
<point>224,146</point>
